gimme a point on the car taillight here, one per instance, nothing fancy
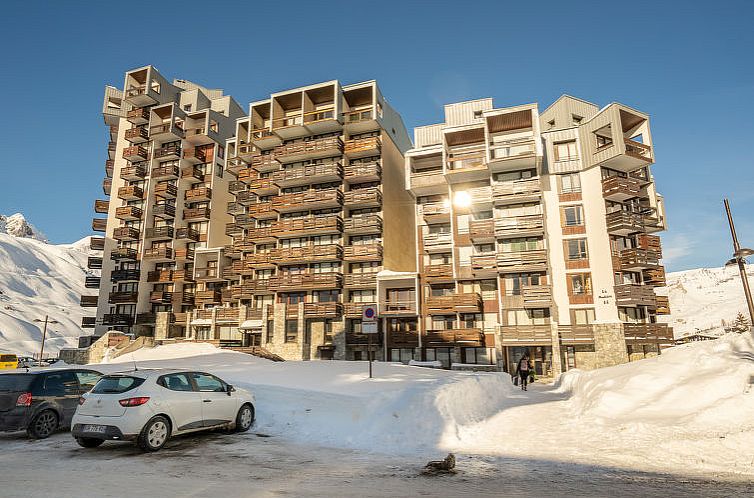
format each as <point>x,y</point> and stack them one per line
<point>133,401</point>
<point>24,400</point>
<point>82,400</point>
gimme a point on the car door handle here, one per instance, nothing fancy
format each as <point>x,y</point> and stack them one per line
<point>207,400</point>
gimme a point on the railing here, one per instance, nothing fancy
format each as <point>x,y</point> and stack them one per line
<point>511,335</point>
<point>262,233</point>
<point>369,145</point>
<point>123,253</point>
<point>482,229</point>
<point>165,128</point>
<point>133,173</point>
<point>483,262</point>
<point>536,296</point>
<point>135,151</point>
<point>164,210</point>
<point>260,134</point>
<point>171,150</point>
<point>192,172</point>
<point>511,226</point>
<point>183,276</point>
<point>235,164</point>
<point>164,232</point>
<point>196,213</point>
<point>194,132</point>
<point>480,194</point>
<point>648,332</point>
<point>638,149</point>
<point>130,192</point>
<point>517,191</point>
<point>513,148</point>
<point>437,239</point>
<point>576,334</point>
<point>136,133</point>
<point>627,294</point>
<point>207,297</point>
<point>624,221</point>
<point>309,224</point>
<point>360,279</point>
<point>258,210</point>
<point>160,276</point>
<point>99,224</point>
<point>165,189</point>
<point>162,252</point>
<point>638,258</point>
<point>308,253</point>
<point>187,233</point>
<point>160,297</point>
<point>198,194</point>
<point>351,310</point>
<point>248,175</point>
<point>97,243</point>
<point>655,276</point>
<point>139,114</point>
<point>650,242</point>
<point>146,318</point>
<point>123,297</point>
<point>323,309</point>
<point>358,170</point>
<point>332,170</point>
<point>363,222</point>
<point>438,271</point>
<point>622,187</point>
<point>397,307</point>
<point>94,262</point>
<point>249,288</point>
<point>662,305</point>
<point>165,172</point>
<point>113,319</point>
<point>88,301</point>
<point>471,301</point>
<point>135,91</point>
<point>287,121</point>
<point>128,212</point>
<point>263,162</point>
<point>434,208</point>
<point>329,144</point>
<point>319,115</point>
<point>363,252</point>
<point>124,275</point>
<point>463,161</point>
<point>262,184</point>
<point>371,195</point>
<point>301,200</point>
<point>197,154</point>
<point>227,314</point>
<point>107,185</point>
<point>92,282</point>
<point>306,281</point>
<point>182,254</point>
<point>470,337</point>
<point>358,116</point>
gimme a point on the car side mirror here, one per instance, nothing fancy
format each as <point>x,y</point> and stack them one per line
<point>230,389</point>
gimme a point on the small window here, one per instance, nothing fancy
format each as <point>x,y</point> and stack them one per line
<point>576,119</point>
<point>580,284</point>
<point>176,382</point>
<point>566,151</point>
<point>573,216</point>
<point>477,114</point>
<point>582,316</point>
<point>187,107</point>
<point>291,330</point>
<point>576,249</point>
<point>208,383</point>
<point>570,183</point>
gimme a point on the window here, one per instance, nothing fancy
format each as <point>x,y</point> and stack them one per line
<point>472,321</point>
<point>477,114</point>
<point>327,331</point>
<point>573,216</point>
<point>570,183</point>
<point>576,119</point>
<point>439,354</point>
<point>116,384</point>
<point>439,228</point>
<point>175,382</point>
<point>363,296</point>
<point>270,331</point>
<point>522,244</point>
<point>604,136</point>
<point>208,383</point>
<point>566,151</point>
<point>326,296</point>
<point>443,322</point>
<point>293,298</point>
<point>514,282</point>
<point>580,283</point>
<point>576,249</point>
<point>87,380</point>
<point>402,355</point>
<point>187,107</point>
<point>528,317</point>
<point>291,330</point>
<point>403,325</point>
<point>57,384</point>
<point>582,316</point>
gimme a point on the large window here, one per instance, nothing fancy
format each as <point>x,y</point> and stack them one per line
<point>521,244</point>
<point>580,283</point>
<point>576,249</point>
<point>573,216</point>
<point>291,330</point>
<point>570,183</point>
<point>582,316</point>
<point>514,282</point>
<point>528,317</point>
<point>566,151</point>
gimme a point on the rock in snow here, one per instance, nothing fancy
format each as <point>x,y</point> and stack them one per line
<point>17,226</point>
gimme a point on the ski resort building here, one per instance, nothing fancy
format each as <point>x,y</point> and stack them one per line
<point>499,232</point>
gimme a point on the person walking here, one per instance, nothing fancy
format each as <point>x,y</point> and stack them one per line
<point>524,371</point>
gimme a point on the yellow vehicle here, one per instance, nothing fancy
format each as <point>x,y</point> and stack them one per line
<point>8,361</point>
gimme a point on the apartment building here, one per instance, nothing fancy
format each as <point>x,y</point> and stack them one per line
<point>535,235</point>
<point>167,205</point>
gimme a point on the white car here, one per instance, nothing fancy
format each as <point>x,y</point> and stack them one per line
<point>149,406</point>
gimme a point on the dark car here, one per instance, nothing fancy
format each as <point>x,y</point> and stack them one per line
<point>43,401</point>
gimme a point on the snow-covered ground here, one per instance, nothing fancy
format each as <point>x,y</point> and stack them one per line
<point>38,279</point>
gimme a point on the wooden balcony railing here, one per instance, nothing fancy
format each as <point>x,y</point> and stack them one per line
<point>260,234</point>
<point>655,276</point>
<point>358,116</point>
<point>88,301</point>
<point>204,297</point>
<point>183,276</point>
<point>363,223</point>
<point>101,206</point>
<point>513,149</point>
<point>328,172</point>
<point>201,213</point>
<point>94,262</point>
<point>638,149</point>
<point>457,302</point>
<point>306,281</point>
<point>326,310</point>
<point>116,319</point>
<point>466,161</point>
<point>235,164</point>
<point>97,243</point>
<point>247,175</point>
<point>170,151</point>
<point>371,196</point>
<point>464,337</point>
<point>311,225</point>
<point>537,296</point>
<point>138,116</point>
<point>264,162</point>
<point>434,209</point>
<point>107,185</point>
<point>109,168</point>
<point>135,153</point>
<point>133,173</point>
<point>291,255</point>
<point>165,128</point>
<point>162,252</point>
<point>128,213</point>
<point>481,263</point>
<point>167,171</point>
<point>482,229</point>
<point>160,276</point>
<point>636,259</point>
<point>439,239</point>
<point>523,225</point>
<point>576,334</point>
<point>329,145</point>
<point>259,210</point>
<point>187,234</point>
<point>227,314</point>
<point>166,190</point>
<point>130,193</point>
<point>308,199</point>
<point>624,222</point>
<point>206,273</point>
<point>635,295</point>
<point>119,253</point>
<point>398,307</point>
<point>195,155</point>
<point>638,333</point>
<point>650,242</point>
<point>124,275</point>
<point>363,146</point>
<point>137,134</point>
<point>192,173</point>
<point>363,172</point>
<point>527,335</point>
<point>164,232</point>
<point>123,297</point>
<point>364,252</point>
<point>662,305</point>
<point>184,254</point>
<point>517,191</point>
<point>438,271</point>
<point>512,262</point>
<point>164,210</point>
<point>621,188</point>
<point>160,297</point>
<point>198,194</point>
<point>250,288</point>
<point>360,280</point>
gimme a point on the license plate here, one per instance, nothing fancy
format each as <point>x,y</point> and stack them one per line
<point>99,429</point>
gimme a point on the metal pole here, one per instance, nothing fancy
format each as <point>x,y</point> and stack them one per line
<point>741,265</point>
<point>369,353</point>
<point>44,335</point>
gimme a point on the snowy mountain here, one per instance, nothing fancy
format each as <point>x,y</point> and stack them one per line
<point>705,299</point>
<point>38,279</point>
<point>17,226</point>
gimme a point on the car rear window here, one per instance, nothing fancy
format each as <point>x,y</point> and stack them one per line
<point>15,382</point>
<point>116,384</point>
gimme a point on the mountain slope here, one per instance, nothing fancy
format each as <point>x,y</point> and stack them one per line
<point>38,279</point>
<point>17,226</point>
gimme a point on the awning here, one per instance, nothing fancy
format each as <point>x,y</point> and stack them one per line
<point>251,324</point>
<point>201,321</point>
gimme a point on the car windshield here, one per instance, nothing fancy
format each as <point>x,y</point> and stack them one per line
<point>116,384</point>
<point>15,382</point>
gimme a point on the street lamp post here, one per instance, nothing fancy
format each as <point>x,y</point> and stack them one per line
<point>44,333</point>
<point>739,259</point>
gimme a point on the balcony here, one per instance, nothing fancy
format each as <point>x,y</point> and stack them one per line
<point>290,125</point>
<point>160,276</point>
<point>184,254</point>
<point>111,147</point>
<point>109,168</point>
<point>162,253</point>
<point>88,322</point>
<point>185,298</point>
<point>662,305</point>
<point>165,132</point>
<point>164,232</point>
<point>310,225</point>
<point>246,150</point>
<point>135,153</point>
<point>91,282</point>
<point>160,297</point>
<point>437,242</point>
<point>519,226</point>
<point>466,167</point>
<point>458,302</point>
<point>101,207</point>
<point>632,295</point>
<point>182,276</point>
<point>637,259</point>
<point>435,212</point>
<point>643,333</point>
<point>655,277</point>
<point>484,265</point>
<point>168,152</point>
<point>454,337</point>
<point>360,121</point>
<point>133,173</point>
<point>123,253</point>
<point>363,224</point>
<point>130,193</point>
<point>192,174</point>
<point>165,190</point>
<point>517,192</point>
<point>621,189</point>
<point>363,198</point>
<point>107,186</point>
<point>611,139</point>
<point>207,274</point>
<point>264,163</point>
<point>94,263</point>
<point>141,95</point>
<point>261,235</point>
<point>245,197</point>
<point>310,199</point>
<point>124,276</point>
<point>196,214</point>
<point>247,175</point>
<point>207,297</point>
<point>480,195</point>
<point>123,297</point>
<point>650,242</point>
<point>167,172</point>
<point>264,138</point>
<point>428,181</point>
<point>88,301</point>
<point>363,172</point>
<point>138,116</point>
<point>323,310</point>
<point>322,121</point>
<point>164,211</point>
<point>624,223</point>
<point>200,135</point>
<point>482,230</point>
<point>311,149</point>
<point>199,194</point>
<point>195,155</point>
<point>292,282</point>
<point>304,175</point>
<point>363,252</point>
<point>515,154</point>
<point>250,288</point>
<point>137,135</point>
<point>438,272</point>
<point>526,335</point>
<point>297,255</point>
<point>227,315</point>
<point>536,296</point>
<point>360,280</point>
<point>355,310</point>
<point>362,147</point>
<point>128,213</point>
<point>235,164</point>
<point>263,186</point>
<point>576,334</point>
<point>96,243</point>
<point>398,308</point>
<point>252,261</point>
<point>522,261</point>
<point>146,318</point>
<point>117,320</point>
<point>187,234</point>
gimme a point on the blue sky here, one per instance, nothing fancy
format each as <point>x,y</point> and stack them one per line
<point>690,68</point>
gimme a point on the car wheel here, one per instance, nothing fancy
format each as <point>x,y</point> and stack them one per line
<point>155,434</point>
<point>89,442</point>
<point>245,418</point>
<point>43,424</point>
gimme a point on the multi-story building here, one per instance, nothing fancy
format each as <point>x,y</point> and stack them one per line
<point>165,171</point>
<point>534,236</point>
